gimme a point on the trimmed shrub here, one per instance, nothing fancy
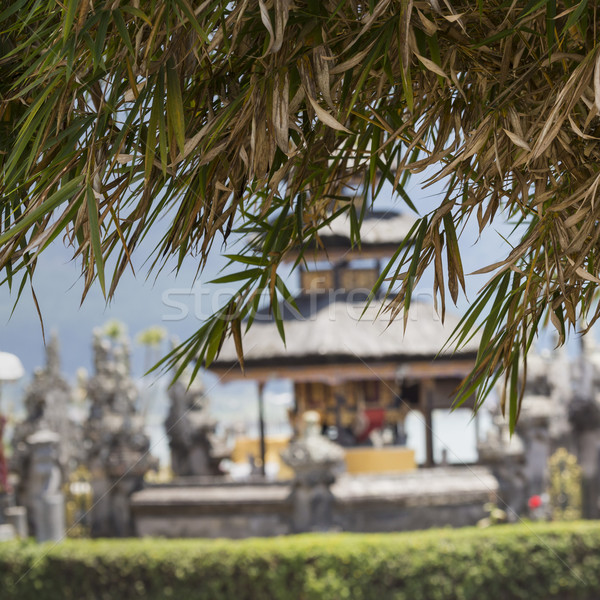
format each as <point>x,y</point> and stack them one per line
<point>528,561</point>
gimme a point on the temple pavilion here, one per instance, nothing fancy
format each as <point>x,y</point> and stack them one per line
<point>362,374</point>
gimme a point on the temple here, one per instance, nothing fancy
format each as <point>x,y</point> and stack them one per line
<point>360,372</point>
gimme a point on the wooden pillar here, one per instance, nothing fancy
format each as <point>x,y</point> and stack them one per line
<point>261,426</point>
<point>426,401</point>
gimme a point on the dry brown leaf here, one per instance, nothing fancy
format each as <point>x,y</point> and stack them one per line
<point>431,66</point>
<point>282,11</point>
<point>517,140</point>
<point>351,62</point>
<point>326,118</point>
<point>429,26</point>
<point>280,117</point>
<point>264,17</point>
<point>597,81</point>
<point>321,60</point>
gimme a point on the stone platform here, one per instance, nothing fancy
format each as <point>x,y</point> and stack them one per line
<point>452,496</point>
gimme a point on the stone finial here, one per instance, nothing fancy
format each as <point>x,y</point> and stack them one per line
<point>47,401</point>
<point>101,350</point>
<point>587,340</point>
<point>53,354</point>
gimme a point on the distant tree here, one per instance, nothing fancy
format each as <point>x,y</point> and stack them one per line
<point>151,338</point>
<point>255,115</point>
<point>115,330</point>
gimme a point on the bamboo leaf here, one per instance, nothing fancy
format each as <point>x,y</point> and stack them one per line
<point>92,210</point>
<point>175,113</point>
<point>65,192</point>
<point>514,399</point>
<point>122,27</point>
<point>326,118</point>
<point>71,8</point>
<point>241,276</point>
<point>431,66</point>
<point>517,140</point>
<point>237,338</point>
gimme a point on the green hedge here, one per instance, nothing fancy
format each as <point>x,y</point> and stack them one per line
<point>526,561</point>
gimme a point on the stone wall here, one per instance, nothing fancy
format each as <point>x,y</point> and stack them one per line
<point>227,510</point>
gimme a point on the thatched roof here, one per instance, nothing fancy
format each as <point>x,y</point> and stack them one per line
<point>328,329</point>
<point>378,227</point>
<point>380,234</point>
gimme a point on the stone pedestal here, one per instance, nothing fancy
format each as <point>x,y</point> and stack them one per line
<point>7,532</point>
<point>44,485</point>
<point>534,429</point>
<point>49,516</point>
<point>505,455</point>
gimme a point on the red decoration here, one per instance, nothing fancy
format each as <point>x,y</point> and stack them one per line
<point>534,502</point>
<point>374,419</point>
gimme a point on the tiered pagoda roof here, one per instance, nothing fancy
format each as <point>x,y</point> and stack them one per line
<point>329,330</point>
<point>329,327</point>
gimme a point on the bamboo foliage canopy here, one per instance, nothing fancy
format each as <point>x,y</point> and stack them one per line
<point>252,116</point>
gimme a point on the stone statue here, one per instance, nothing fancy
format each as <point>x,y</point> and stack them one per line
<point>111,390</point>
<point>316,461</point>
<point>118,449</point>
<point>48,399</point>
<point>196,449</point>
